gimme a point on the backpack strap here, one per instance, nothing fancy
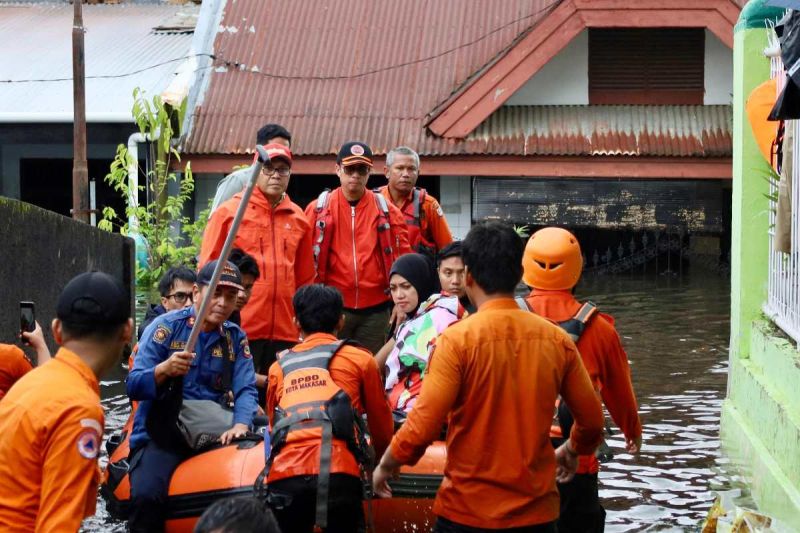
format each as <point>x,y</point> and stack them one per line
<point>576,325</point>
<point>385,234</point>
<point>320,246</point>
<point>416,202</point>
<point>522,303</point>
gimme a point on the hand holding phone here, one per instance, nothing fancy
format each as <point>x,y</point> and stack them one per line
<point>27,318</point>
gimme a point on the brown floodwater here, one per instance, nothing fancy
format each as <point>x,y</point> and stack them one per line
<point>675,330</point>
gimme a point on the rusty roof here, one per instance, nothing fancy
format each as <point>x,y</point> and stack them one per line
<point>338,70</point>
<point>629,130</point>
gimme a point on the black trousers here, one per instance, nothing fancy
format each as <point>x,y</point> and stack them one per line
<point>264,354</point>
<point>443,525</point>
<point>151,468</point>
<point>294,502</point>
<point>581,511</point>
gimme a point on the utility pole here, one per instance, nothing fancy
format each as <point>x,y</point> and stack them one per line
<point>80,172</point>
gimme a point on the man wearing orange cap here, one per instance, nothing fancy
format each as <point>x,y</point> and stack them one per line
<point>358,234</point>
<point>277,234</point>
<point>552,267</point>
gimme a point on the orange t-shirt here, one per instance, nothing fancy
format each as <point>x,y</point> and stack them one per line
<point>13,365</point>
<point>604,359</point>
<point>433,228</point>
<point>497,375</point>
<point>356,373</point>
<point>51,427</point>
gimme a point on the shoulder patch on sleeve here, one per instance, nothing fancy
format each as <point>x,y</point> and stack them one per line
<point>246,349</point>
<point>88,444</point>
<point>439,211</point>
<point>160,334</point>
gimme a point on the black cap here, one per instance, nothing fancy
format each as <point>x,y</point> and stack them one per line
<point>94,298</point>
<point>230,277</point>
<point>354,153</point>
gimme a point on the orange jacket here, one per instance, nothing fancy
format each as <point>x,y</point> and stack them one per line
<point>604,359</point>
<point>280,241</point>
<point>356,373</point>
<point>355,262</point>
<point>497,375</point>
<point>433,230</point>
<point>13,365</point>
<point>51,427</point>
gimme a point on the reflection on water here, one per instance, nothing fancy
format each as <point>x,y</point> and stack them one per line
<point>676,334</point>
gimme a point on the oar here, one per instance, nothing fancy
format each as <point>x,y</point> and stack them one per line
<point>263,158</point>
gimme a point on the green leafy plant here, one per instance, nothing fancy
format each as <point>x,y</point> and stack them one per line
<point>167,236</point>
<point>522,231</point>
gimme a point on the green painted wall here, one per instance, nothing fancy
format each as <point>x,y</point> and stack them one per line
<point>749,245</point>
<point>760,426</point>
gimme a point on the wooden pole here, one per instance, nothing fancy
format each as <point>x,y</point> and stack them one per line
<point>80,172</point>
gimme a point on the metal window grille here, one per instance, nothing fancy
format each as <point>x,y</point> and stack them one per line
<point>783,290</point>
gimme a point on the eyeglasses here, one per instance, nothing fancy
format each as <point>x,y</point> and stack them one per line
<point>361,170</point>
<point>180,297</point>
<point>282,171</point>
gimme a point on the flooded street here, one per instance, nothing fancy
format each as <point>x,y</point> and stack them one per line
<point>675,331</point>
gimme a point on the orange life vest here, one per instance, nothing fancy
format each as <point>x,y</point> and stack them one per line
<point>324,223</point>
<point>314,407</point>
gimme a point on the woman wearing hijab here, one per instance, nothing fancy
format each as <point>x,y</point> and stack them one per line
<point>414,287</point>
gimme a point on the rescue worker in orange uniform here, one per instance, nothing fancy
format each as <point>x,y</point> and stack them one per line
<point>427,227</point>
<point>358,234</point>
<point>305,489</point>
<point>552,267</point>
<point>495,376</point>
<point>51,421</point>
<point>14,363</point>
<point>277,234</point>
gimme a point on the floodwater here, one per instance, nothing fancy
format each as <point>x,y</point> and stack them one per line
<point>675,330</point>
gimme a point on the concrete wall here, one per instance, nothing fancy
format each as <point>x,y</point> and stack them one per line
<point>456,200</point>
<point>760,423</point>
<point>42,251</point>
<point>718,72</point>
<point>564,80</point>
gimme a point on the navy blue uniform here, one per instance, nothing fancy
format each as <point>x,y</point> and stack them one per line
<point>151,466</point>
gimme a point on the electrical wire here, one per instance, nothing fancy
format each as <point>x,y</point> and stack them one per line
<point>232,63</point>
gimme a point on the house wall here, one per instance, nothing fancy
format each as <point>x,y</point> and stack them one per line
<point>564,80</point>
<point>718,72</point>
<point>456,201</point>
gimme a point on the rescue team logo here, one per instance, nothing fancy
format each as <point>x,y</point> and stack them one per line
<point>305,382</point>
<point>88,444</point>
<point>161,334</point>
<point>217,351</point>
<point>439,211</point>
<point>246,349</point>
<point>357,149</point>
<point>190,322</point>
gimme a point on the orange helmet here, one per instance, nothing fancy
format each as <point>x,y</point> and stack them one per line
<point>552,260</point>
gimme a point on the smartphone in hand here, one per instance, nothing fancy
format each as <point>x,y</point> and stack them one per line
<point>27,317</point>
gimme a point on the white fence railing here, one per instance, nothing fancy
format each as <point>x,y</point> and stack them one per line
<point>783,293</point>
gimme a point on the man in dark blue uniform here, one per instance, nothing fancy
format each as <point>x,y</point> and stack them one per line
<point>161,359</point>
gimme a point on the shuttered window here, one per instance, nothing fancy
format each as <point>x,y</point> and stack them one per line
<point>646,66</point>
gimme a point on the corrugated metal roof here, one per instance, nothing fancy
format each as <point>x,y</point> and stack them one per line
<point>293,62</point>
<point>312,41</point>
<point>635,130</point>
<point>36,43</point>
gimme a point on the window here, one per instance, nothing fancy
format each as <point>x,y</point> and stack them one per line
<point>646,66</point>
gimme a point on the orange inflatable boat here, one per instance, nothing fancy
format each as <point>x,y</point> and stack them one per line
<point>232,470</point>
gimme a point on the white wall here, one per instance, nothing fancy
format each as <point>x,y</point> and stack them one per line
<point>718,72</point>
<point>563,80</point>
<point>456,201</point>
